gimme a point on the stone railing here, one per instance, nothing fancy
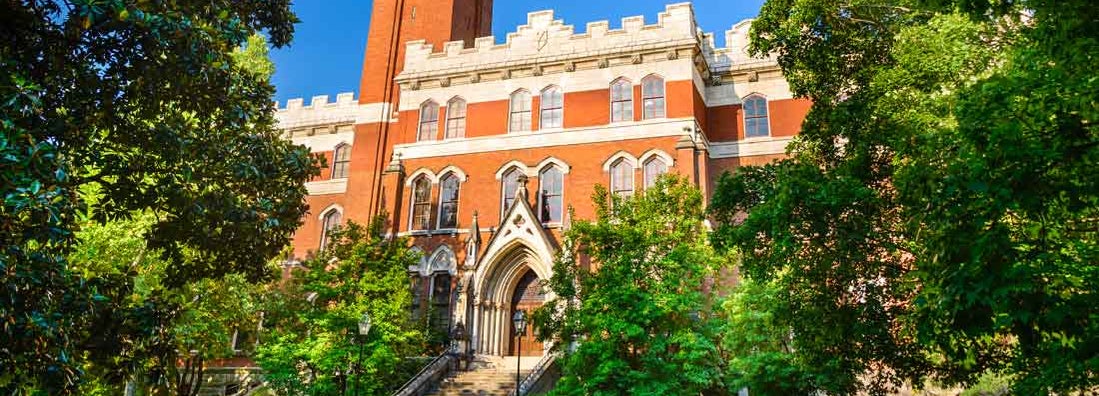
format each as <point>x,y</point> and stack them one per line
<point>430,375</point>
<point>536,374</point>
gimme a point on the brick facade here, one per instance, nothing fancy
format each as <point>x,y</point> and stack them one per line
<point>433,55</point>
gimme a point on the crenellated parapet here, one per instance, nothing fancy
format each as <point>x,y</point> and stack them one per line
<point>322,116</point>
<point>547,45</point>
<point>734,57</point>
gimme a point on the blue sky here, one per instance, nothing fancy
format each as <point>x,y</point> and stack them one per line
<point>326,55</point>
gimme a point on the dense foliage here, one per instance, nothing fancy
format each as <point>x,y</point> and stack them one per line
<point>117,108</point>
<point>629,288</point>
<point>938,216</point>
<point>311,344</point>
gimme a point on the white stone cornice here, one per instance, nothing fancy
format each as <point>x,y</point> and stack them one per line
<point>750,147</point>
<point>325,187</point>
<point>564,137</point>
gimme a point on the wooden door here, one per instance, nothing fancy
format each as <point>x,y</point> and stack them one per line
<point>527,297</point>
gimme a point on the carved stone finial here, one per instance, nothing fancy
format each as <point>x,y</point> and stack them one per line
<point>522,180</point>
<point>395,163</point>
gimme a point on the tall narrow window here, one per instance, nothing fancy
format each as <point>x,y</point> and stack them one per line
<point>440,301</point>
<point>652,96</point>
<point>553,105</point>
<point>622,178</point>
<point>429,122</point>
<point>755,117</point>
<point>509,188</point>
<point>456,118</point>
<point>329,222</point>
<point>621,100</point>
<point>551,186</point>
<point>654,167</point>
<point>341,158</point>
<point>448,201</point>
<point>417,287</point>
<point>520,111</point>
<point>421,203</point>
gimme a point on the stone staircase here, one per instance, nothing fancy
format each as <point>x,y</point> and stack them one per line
<point>496,377</point>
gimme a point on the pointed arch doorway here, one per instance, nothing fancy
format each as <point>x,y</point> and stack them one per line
<point>527,297</point>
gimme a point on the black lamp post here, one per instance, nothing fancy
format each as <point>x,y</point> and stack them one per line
<point>364,329</point>
<point>520,322</point>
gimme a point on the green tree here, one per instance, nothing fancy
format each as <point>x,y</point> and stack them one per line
<point>143,101</point>
<point>639,312</point>
<point>311,339</point>
<point>937,215</point>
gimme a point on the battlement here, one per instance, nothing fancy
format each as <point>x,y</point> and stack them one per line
<point>546,44</point>
<point>546,39</point>
<point>321,112</point>
<point>344,99</point>
<point>734,56</point>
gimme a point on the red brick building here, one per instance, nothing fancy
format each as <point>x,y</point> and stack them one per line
<point>474,146</point>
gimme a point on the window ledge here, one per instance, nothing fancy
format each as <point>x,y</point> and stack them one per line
<point>447,231</point>
<point>325,187</point>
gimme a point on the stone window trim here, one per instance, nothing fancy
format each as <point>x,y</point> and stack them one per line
<point>509,181</point>
<point>652,169</point>
<point>519,111</point>
<point>651,94</point>
<point>330,218</point>
<point>551,112</point>
<point>428,128</point>
<point>456,118</point>
<point>419,208</point>
<point>622,177</point>
<point>545,194</point>
<point>757,121</point>
<point>341,161</point>
<point>621,100</point>
<point>449,201</point>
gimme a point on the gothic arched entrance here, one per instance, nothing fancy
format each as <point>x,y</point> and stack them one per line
<point>527,297</point>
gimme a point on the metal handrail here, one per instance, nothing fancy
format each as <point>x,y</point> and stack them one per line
<point>411,381</point>
<point>535,373</point>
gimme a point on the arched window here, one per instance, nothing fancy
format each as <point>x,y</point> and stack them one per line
<point>509,186</point>
<point>421,203</point>
<point>622,178</point>
<point>621,100</point>
<point>456,118</point>
<point>440,301</point>
<point>520,111</point>
<point>654,167</point>
<point>429,122</point>
<point>341,158</point>
<point>329,222</point>
<point>550,191</point>
<point>448,201</point>
<point>755,117</point>
<point>553,105</point>
<point>652,97</point>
